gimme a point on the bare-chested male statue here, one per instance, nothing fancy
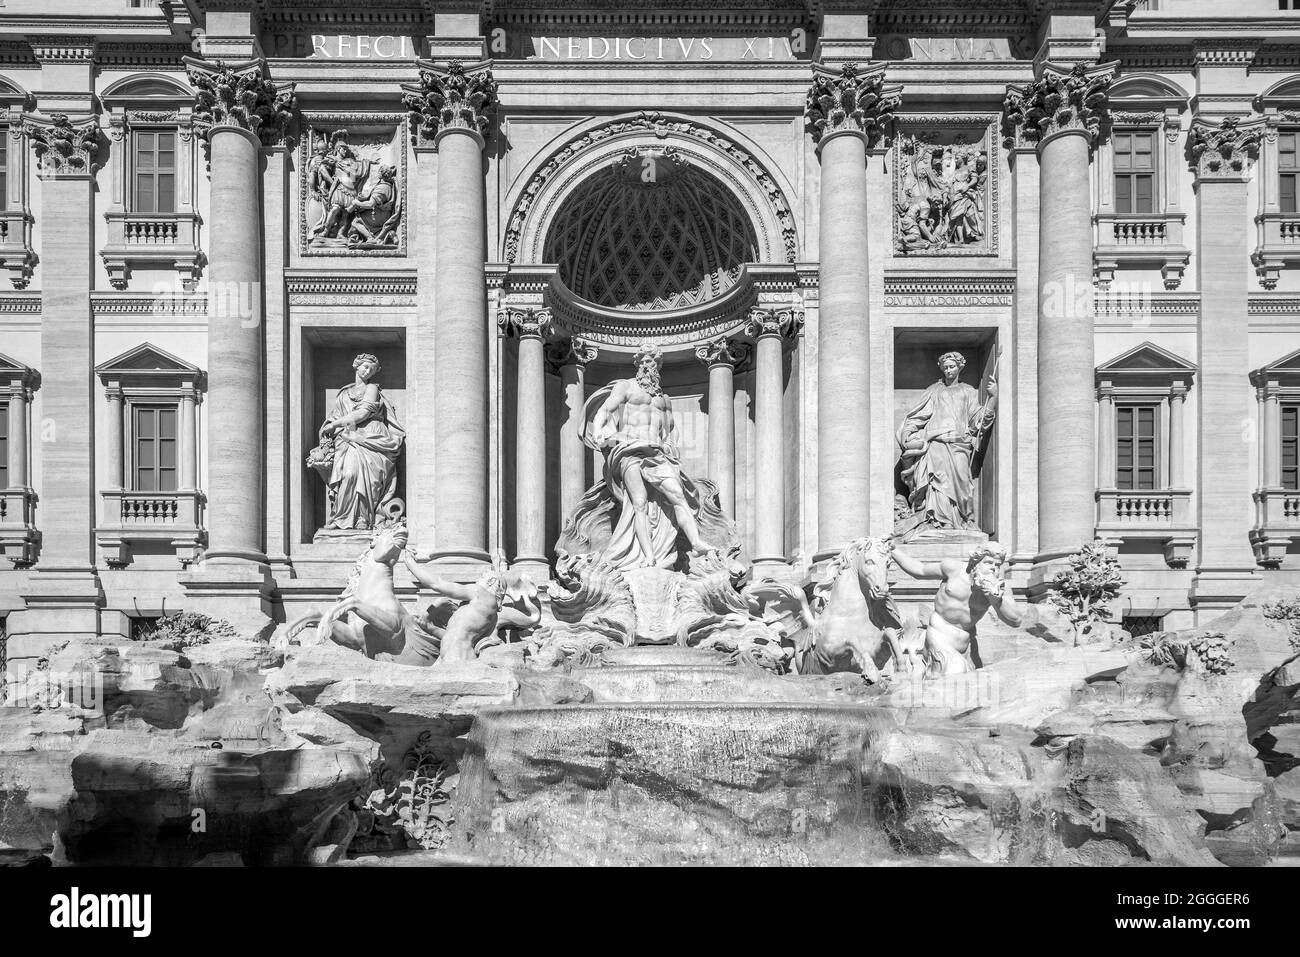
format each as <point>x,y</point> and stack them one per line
<point>633,425</point>
<point>968,591</point>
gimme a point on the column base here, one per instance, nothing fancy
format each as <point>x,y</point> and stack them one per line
<point>235,589</point>
<point>539,569</point>
<point>770,566</point>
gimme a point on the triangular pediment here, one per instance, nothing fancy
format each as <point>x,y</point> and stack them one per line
<point>1148,358</point>
<point>1288,363</point>
<point>10,366</point>
<point>146,358</point>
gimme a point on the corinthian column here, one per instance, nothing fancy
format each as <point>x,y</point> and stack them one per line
<point>1222,153</point>
<point>570,360</point>
<point>63,595</point>
<point>770,327</point>
<point>238,109</point>
<point>722,356</point>
<point>452,107</point>
<point>531,325</point>
<point>848,111</point>
<point>1061,113</point>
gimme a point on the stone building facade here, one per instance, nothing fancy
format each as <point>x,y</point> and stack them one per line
<point>210,207</point>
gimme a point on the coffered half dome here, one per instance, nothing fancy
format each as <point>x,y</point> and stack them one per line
<point>651,231</point>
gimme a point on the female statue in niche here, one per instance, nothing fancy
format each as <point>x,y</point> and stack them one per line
<point>938,439</point>
<point>357,454</point>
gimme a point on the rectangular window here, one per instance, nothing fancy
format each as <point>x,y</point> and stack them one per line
<point>154,166</point>
<point>4,168</point>
<point>1291,447</point>
<point>1288,170</point>
<point>153,434</point>
<point>1135,453</point>
<point>1135,173</point>
<point>1140,626</point>
<point>4,445</point>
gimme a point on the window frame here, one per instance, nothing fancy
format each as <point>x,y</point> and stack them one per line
<point>1291,406</point>
<point>1157,468</point>
<point>4,444</point>
<point>134,408</point>
<point>133,203</point>
<point>1156,135</point>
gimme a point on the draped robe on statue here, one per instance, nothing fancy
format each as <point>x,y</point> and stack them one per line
<point>938,475</point>
<point>595,528</point>
<point>363,477</point>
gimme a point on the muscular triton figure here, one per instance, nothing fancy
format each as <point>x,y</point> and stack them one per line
<point>967,593</point>
<point>634,427</point>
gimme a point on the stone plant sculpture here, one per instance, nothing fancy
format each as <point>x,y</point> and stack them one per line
<point>1083,591</point>
<point>369,618</point>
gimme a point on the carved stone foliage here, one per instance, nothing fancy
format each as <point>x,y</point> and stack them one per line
<point>945,198</point>
<point>851,100</point>
<point>1057,102</point>
<point>722,351</point>
<point>242,96</point>
<point>451,98</point>
<point>1226,150</point>
<point>353,186</point>
<point>662,127</point>
<point>64,148</point>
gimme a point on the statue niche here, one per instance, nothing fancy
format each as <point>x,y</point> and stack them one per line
<point>941,194</point>
<point>357,456</point>
<point>352,196</point>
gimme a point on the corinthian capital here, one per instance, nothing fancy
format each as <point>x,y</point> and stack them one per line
<point>527,322</point>
<point>722,351</point>
<point>240,95</point>
<point>1225,150</point>
<point>570,352</point>
<point>1059,101</point>
<point>454,97</point>
<point>851,101</point>
<point>64,148</point>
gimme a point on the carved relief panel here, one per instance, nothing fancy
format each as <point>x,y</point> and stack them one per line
<point>352,184</point>
<point>945,187</point>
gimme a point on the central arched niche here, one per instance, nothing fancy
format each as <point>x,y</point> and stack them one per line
<point>650,231</point>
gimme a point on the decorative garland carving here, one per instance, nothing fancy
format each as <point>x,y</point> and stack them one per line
<point>662,127</point>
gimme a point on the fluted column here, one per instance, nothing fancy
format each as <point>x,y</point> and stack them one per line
<point>570,360</point>
<point>722,356</point>
<point>236,107</point>
<point>452,107</point>
<point>770,327</point>
<point>1222,153</point>
<point>1105,436</point>
<point>1177,400</point>
<point>531,325</point>
<point>848,110</point>
<point>189,450</point>
<point>116,441</point>
<point>18,438</point>
<point>1062,113</point>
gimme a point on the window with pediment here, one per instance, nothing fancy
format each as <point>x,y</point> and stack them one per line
<point>18,535</point>
<point>152,217</point>
<point>1139,213</point>
<point>17,255</point>
<point>1277,498</point>
<point>1141,487</point>
<point>149,483</point>
<point>1277,221</point>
